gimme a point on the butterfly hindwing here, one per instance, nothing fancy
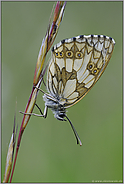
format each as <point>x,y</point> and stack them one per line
<point>76,65</point>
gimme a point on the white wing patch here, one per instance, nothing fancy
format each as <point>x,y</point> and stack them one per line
<point>60,63</point>
<point>73,96</point>
<point>80,45</point>
<point>69,88</point>
<point>89,81</point>
<point>69,63</point>
<point>82,75</point>
<point>52,68</point>
<point>77,64</point>
<point>69,45</point>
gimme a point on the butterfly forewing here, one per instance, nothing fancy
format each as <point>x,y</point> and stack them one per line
<point>76,65</point>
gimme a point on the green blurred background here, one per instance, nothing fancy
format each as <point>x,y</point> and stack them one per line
<point>48,151</point>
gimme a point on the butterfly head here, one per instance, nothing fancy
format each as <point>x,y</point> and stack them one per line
<point>55,105</point>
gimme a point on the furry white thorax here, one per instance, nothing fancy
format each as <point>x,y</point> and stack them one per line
<point>55,105</point>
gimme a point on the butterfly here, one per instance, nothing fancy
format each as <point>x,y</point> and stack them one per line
<point>76,65</point>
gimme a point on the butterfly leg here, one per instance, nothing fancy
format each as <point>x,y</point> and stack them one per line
<point>44,82</point>
<point>39,108</point>
<point>42,114</point>
<point>45,111</point>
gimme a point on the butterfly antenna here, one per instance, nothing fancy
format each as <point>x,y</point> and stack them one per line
<point>75,133</point>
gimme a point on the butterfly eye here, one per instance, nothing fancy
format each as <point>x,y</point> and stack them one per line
<point>78,55</point>
<point>69,54</point>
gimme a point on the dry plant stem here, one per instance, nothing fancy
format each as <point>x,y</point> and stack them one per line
<point>22,126</point>
<point>9,158</point>
<point>46,44</point>
<point>19,139</point>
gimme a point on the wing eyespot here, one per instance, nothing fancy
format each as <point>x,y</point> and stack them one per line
<point>78,55</point>
<point>95,71</point>
<point>90,66</point>
<point>59,54</point>
<point>69,54</point>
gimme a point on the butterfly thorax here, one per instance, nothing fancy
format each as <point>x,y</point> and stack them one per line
<point>56,106</point>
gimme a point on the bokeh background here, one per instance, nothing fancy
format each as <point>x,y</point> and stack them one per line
<point>48,151</point>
